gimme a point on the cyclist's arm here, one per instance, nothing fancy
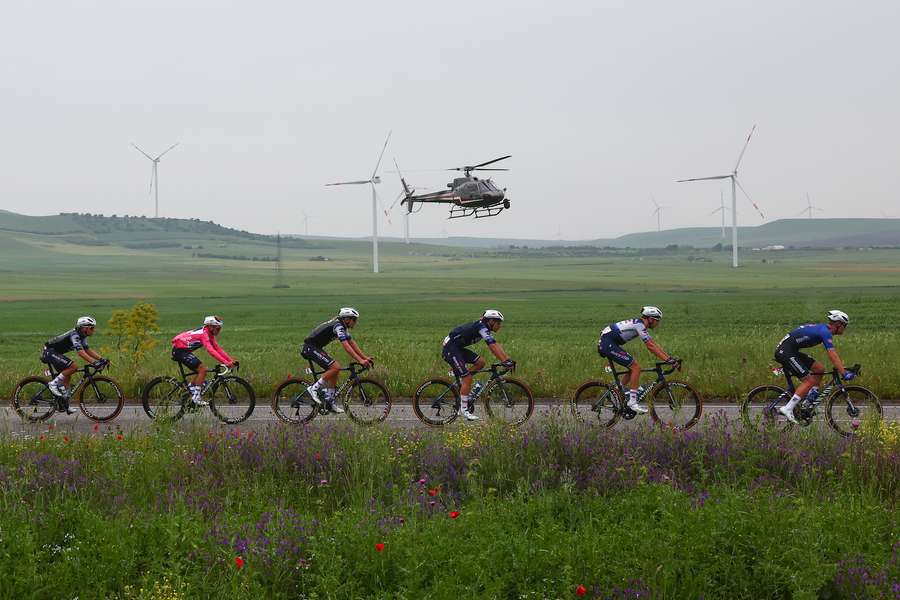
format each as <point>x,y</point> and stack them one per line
<point>87,354</point>
<point>655,348</point>
<point>836,361</point>
<point>359,351</point>
<point>498,351</point>
<point>353,350</point>
<point>216,351</point>
<point>92,354</point>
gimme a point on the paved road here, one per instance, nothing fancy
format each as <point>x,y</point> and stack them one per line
<point>133,418</point>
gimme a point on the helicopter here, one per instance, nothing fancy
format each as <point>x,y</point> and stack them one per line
<point>467,196</point>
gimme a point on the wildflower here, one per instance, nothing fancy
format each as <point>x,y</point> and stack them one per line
<point>120,437</point>
<point>42,438</point>
<point>580,590</point>
<point>96,427</point>
<point>422,481</point>
<point>318,456</point>
<point>51,426</point>
<point>66,439</point>
<point>238,562</point>
<point>323,482</point>
<point>249,435</point>
<point>454,514</point>
<point>237,432</point>
<point>379,547</point>
<point>434,492</point>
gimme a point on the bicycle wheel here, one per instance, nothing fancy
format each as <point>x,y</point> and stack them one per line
<point>675,404</point>
<point>292,403</point>
<point>231,399</point>
<point>436,402</point>
<point>508,401</point>
<point>101,399</point>
<point>33,400</point>
<point>846,420</point>
<point>755,410</point>
<point>164,399</point>
<point>367,402</point>
<point>596,400</point>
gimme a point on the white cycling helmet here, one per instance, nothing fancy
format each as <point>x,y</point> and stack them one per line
<point>492,314</point>
<point>651,312</point>
<point>348,312</point>
<point>86,322</point>
<point>213,320</point>
<point>838,316</point>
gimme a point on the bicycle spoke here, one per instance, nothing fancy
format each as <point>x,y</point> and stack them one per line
<point>33,400</point>
<point>595,402</point>
<point>435,402</point>
<point>853,409</point>
<point>760,409</point>
<point>164,399</point>
<point>367,402</point>
<point>101,399</point>
<point>292,402</point>
<point>676,404</point>
<point>231,399</point>
<point>508,401</point>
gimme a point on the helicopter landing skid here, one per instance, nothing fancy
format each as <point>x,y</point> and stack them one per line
<point>457,212</point>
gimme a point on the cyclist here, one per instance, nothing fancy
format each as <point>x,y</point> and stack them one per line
<point>54,354</point>
<point>324,389</point>
<point>457,355</point>
<point>805,367</point>
<point>610,346</point>
<point>184,344</point>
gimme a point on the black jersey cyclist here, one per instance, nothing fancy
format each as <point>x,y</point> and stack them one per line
<point>614,335</point>
<point>337,328</point>
<point>54,354</point>
<point>458,355</point>
<point>805,367</point>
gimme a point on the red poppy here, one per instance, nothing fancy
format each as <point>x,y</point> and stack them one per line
<point>580,590</point>
<point>237,432</point>
<point>318,456</point>
<point>66,439</point>
<point>249,435</point>
<point>434,492</point>
<point>379,547</point>
<point>51,426</point>
<point>120,437</point>
<point>454,514</point>
<point>96,427</point>
<point>42,438</point>
<point>239,562</point>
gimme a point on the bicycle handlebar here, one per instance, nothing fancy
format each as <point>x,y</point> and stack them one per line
<point>223,370</point>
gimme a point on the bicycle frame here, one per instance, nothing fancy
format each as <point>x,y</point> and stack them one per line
<point>660,371</point>
<point>87,377</point>
<point>354,369</point>
<point>836,382</point>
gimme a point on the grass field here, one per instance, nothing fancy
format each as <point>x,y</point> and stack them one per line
<point>552,511</point>
<point>724,323</point>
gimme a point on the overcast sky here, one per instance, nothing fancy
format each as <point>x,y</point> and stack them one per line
<point>601,104</point>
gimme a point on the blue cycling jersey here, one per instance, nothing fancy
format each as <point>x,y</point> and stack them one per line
<point>811,334</point>
<point>468,334</point>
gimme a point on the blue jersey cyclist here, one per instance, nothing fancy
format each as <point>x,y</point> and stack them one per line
<point>54,354</point>
<point>338,328</point>
<point>615,335</point>
<point>805,367</point>
<point>457,354</point>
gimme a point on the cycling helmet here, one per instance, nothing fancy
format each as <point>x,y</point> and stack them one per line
<point>838,316</point>
<point>86,322</point>
<point>651,312</point>
<point>348,312</point>
<point>492,314</point>
<point>213,320</point>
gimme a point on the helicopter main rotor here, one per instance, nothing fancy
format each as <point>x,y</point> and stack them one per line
<point>480,166</point>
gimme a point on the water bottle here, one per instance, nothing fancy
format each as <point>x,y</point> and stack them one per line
<point>813,396</point>
<point>476,389</point>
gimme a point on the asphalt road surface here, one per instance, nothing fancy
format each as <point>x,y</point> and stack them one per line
<point>133,418</point>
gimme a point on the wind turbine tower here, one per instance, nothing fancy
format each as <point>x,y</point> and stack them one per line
<point>154,175</point>
<point>722,210</point>
<point>733,176</point>
<point>658,213</point>
<point>371,181</point>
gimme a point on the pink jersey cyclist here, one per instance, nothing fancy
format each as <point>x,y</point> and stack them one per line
<point>186,342</point>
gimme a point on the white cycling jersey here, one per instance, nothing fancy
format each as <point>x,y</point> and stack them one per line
<point>627,330</point>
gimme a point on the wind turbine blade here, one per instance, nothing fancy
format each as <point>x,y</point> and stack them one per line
<point>762,216</point>
<point>141,151</point>
<point>744,149</point>
<point>167,150</point>
<point>703,178</point>
<point>397,199</point>
<point>383,148</point>
<point>717,210</point>
<point>350,182</point>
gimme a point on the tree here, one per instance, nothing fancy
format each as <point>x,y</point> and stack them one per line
<point>134,331</point>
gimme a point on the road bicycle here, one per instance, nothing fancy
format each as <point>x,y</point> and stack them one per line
<point>99,397</point>
<point>507,400</point>
<point>674,404</point>
<point>846,406</point>
<point>366,401</point>
<point>231,399</point>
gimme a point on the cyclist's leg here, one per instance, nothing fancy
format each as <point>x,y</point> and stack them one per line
<point>611,350</point>
<point>803,367</point>
<point>190,360</point>
<point>64,366</point>
<point>328,379</point>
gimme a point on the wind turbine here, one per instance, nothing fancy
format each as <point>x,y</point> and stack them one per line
<point>722,210</point>
<point>154,175</point>
<point>306,219</point>
<point>809,208</point>
<point>733,176</point>
<point>371,181</point>
<point>658,213</point>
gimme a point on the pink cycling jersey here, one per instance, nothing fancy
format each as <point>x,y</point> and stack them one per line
<point>191,340</point>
